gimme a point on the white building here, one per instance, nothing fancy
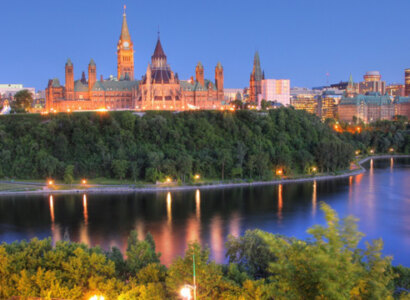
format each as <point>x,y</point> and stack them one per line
<point>231,94</point>
<point>277,90</point>
<point>9,90</point>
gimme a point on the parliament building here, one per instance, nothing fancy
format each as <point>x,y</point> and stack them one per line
<point>159,89</point>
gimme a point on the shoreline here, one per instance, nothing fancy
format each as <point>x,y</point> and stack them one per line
<point>126,189</point>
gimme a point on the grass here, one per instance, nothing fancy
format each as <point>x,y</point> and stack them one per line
<point>10,187</point>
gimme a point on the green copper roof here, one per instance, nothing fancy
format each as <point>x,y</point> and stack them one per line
<point>402,100</point>
<point>125,34</point>
<point>68,63</point>
<point>257,71</point>
<point>196,86</point>
<point>373,99</point>
<point>111,85</point>
<point>56,82</point>
<point>350,80</point>
<point>200,65</point>
<point>92,62</point>
<point>80,87</point>
<point>219,65</point>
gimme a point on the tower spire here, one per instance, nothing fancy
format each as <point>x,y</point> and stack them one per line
<point>125,34</point>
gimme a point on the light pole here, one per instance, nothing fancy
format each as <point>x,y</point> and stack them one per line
<point>186,290</point>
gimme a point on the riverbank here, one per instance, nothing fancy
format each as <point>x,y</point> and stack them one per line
<point>108,189</point>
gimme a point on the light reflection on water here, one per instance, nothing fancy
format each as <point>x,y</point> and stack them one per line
<point>380,198</point>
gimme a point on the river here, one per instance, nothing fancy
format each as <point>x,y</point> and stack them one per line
<point>380,198</point>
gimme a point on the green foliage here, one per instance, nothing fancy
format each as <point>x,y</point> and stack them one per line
<point>225,145</point>
<point>120,167</point>
<point>330,266</point>
<point>381,136</point>
<point>23,100</point>
<point>140,253</point>
<point>69,174</point>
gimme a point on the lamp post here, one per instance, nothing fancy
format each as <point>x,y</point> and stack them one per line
<point>186,290</point>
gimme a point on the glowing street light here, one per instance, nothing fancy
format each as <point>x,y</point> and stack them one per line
<point>279,172</point>
<point>371,151</point>
<point>314,169</point>
<point>97,297</point>
<point>84,181</point>
<point>186,292</point>
<point>168,179</point>
<point>197,176</point>
<point>50,182</point>
<point>391,150</point>
<point>357,152</point>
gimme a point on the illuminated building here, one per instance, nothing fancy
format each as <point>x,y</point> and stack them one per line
<point>395,90</point>
<point>233,94</point>
<point>328,105</point>
<point>7,91</point>
<point>255,83</point>
<point>277,90</point>
<point>308,103</point>
<point>372,83</point>
<point>368,108</point>
<point>159,89</point>
<point>407,82</point>
<point>402,106</point>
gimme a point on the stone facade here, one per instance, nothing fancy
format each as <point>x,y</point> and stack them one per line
<point>368,108</point>
<point>159,89</point>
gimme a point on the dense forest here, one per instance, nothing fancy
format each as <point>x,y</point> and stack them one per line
<point>123,145</point>
<point>330,265</point>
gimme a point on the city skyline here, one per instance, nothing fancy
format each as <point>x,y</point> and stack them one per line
<point>76,31</point>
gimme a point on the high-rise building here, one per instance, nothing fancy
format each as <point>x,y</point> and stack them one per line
<point>308,103</point>
<point>276,90</point>
<point>407,81</point>
<point>255,82</point>
<point>372,83</point>
<point>395,89</point>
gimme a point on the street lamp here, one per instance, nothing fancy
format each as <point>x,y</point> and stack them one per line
<point>197,176</point>
<point>97,297</point>
<point>84,181</point>
<point>186,290</point>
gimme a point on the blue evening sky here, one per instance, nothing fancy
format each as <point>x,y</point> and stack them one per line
<point>300,40</point>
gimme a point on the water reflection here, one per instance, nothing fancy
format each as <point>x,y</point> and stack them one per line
<point>198,204</point>
<point>280,202</point>
<point>217,238</point>
<point>169,208</point>
<point>314,198</point>
<point>52,209</point>
<point>380,200</point>
<point>85,210</point>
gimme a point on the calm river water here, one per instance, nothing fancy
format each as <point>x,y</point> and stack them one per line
<point>380,198</point>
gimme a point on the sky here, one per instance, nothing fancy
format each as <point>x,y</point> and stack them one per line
<point>300,40</point>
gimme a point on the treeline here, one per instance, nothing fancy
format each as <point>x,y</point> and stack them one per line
<point>216,145</point>
<point>261,266</point>
<point>381,136</point>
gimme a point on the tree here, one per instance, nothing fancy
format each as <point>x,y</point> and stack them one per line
<point>23,99</point>
<point>330,266</point>
<point>140,253</point>
<point>120,167</point>
<point>69,174</point>
<point>210,283</point>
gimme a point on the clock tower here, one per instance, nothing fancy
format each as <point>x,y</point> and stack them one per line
<point>125,53</point>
